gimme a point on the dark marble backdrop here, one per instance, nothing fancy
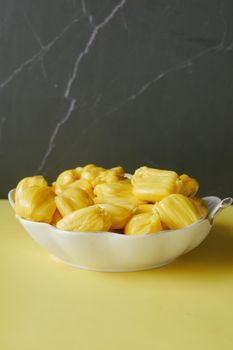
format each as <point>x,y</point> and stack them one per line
<point>127,82</point>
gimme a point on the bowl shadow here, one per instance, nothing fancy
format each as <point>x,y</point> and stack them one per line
<point>213,257</point>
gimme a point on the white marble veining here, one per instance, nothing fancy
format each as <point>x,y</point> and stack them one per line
<point>44,49</point>
<point>86,13</point>
<point>74,76</point>
<point>88,45</point>
<point>221,46</point>
<point>39,42</point>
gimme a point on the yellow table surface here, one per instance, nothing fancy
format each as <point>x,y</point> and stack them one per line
<point>45,304</point>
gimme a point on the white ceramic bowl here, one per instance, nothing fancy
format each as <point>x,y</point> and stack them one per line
<point>107,251</point>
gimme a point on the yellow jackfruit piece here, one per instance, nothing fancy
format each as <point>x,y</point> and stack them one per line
<point>36,204</point>
<point>145,208</point>
<point>118,193</point>
<point>91,171</point>
<point>201,206</point>
<point>177,211</point>
<point>142,224</point>
<point>109,176</point>
<point>28,182</point>
<point>78,171</point>
<point>57,188</point>
<point>89,166</point>
<point>153,184</point>
<point>71,199</point>
<point>121,188</point>
<point>119,215</point>
<point>187,185</point>
<point>84,185</point>
<point>67,177</point>
<point>56,217</point>
<point>90,219</point>
<point>125,202</point>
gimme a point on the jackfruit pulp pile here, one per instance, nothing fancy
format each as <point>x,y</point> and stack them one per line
<point>95,199</point>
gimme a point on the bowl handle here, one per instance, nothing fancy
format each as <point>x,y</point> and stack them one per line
<point>226,202</point>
